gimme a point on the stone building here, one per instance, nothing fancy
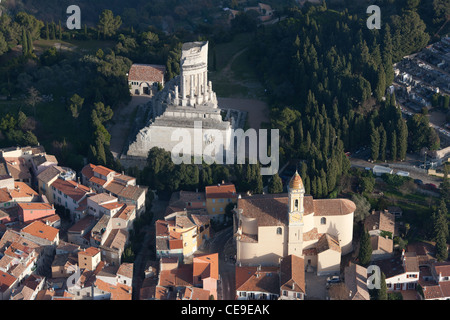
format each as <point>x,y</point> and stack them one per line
<point>186,102</point>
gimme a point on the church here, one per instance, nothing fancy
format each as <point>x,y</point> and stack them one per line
<point>269,227</point>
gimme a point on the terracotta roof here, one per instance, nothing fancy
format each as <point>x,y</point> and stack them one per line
<point>381,243</point>
<point>193,293</point>
<point>380,220</point>
<point>91,251</point>
<point>50,173</point>
<point>35,206</point>
<point>327,242</point>
<point>41,230</point>
<point>18,168</point>
<point>125,212</point>
<point>126,269</point>
<point>292,274</point>
<point>131,192</point>
<point>356,282</point>
<point>83,224</point>
<point>88,171</point>
<point>264,280</point>
<point>206,266</point>
<point>411,264</point>
<point>6,281</point>
<point>221,191</point>
<point>333,207</point>
<point>97,181</point>
<point>146,72</point>
<point>118,292</point>
<point>102,170</point>
<point>442,268</point>
<point>179,277</point>
<point>22,190</point>
<point>162,227</point>
<point>101,198</point>
<point>72,189</point>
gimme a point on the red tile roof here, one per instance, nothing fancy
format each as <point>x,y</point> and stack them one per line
<point>146,72</point>
<point>72,189</point>
<point>6,281</point>
<point>206,266</point>
<point>41,230</point>
<point>221,191</point>
<point>102,170</point>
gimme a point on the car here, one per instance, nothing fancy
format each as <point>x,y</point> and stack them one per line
<point>333,279</point>
<point>418,181</point>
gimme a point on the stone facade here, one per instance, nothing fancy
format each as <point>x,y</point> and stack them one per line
<point>185,102</point>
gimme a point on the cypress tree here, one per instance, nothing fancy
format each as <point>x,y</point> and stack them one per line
<point>375,144</point>
<point>47,31</point>
<point>383,143</point>
<point>29,43</point>
<point>24,42</point>
<point>365,249</point>
<point>402,137</point>
<point>275,184</point>
<point>393,148</point>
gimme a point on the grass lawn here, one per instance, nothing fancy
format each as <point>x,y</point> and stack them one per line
<point>226,51</point>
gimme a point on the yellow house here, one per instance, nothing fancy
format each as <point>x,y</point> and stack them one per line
<point>182,233</point>
<point>218,197</point>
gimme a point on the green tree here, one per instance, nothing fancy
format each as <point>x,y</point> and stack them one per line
<point>365,249</point>
<point>76,103</point>
<point>375,144</point>
<point>441,231</point>
<point>275,184</point>
<point>362,207</point>
<point>24,42</point>
<point>108,23</point>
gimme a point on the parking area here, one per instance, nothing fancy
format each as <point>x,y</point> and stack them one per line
<point>315,286</point>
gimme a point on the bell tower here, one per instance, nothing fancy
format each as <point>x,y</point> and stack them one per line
<point>296,193</point>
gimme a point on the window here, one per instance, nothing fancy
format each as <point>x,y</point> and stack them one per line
<point>323,220</point>
<point>279,230</point>
<point>285,293</point>
<point>296,204</point>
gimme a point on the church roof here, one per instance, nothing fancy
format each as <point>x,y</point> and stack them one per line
<point>272,209</point>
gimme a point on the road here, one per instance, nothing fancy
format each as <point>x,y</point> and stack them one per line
<point>410,165</point>
<point>220,243</point>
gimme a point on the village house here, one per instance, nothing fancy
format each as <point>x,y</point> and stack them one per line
<point>89,258</point>
<point>292,278</point>
<point>435,281</point>
<point>402,272</point>
<point>46,177</point>
<point>181,234</point>
<point>79,233</point>
<point>381,227</point>
<point>218,197</point>
<point>29,289</point>
<point>354,286</point>
<point>257,283</point>
<point>196,281</point>
<point>72,196</point>
<point>123,187</point>
<point>145,78</point>
<point>29,212</point>
<point>41,234</point>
